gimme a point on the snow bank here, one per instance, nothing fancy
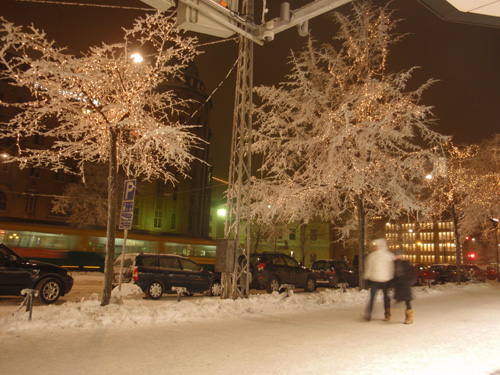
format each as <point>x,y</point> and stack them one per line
<point>133,310</point>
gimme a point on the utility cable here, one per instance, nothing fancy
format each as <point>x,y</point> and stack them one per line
<point>86,5</point>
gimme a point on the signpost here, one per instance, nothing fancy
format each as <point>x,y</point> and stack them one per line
<point>126,216</point>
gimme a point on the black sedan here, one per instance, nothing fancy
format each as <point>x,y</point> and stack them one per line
<point>332,272</point>
<point>17,273</point>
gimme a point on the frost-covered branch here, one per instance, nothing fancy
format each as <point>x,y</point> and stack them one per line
<point>342,127</point>
<point>76,100</point>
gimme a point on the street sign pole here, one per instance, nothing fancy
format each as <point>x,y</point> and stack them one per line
<point>126,215</point>
<point>122,259</point>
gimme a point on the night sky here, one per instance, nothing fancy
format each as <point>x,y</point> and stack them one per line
<point>464,58</point>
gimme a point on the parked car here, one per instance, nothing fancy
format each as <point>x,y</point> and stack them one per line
<point>271,270</point>
<point>332,272</point>
<point>491,273</point>
<point>473,272</point>
<point>447,273</point>
<point>423,274</point>
<point>156,274</point>
<point>17,273</point>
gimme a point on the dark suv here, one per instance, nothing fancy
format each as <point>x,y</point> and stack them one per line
<point>331,272</point>
<point>271,270</point>
<point>156,274</point>
<point>447,273</point>
<point>17,273</point>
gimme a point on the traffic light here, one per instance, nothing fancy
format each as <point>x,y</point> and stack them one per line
<point>467,238</point>
<point>471,256</point>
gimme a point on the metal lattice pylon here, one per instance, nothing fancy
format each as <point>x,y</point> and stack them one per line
<point>236,284</point>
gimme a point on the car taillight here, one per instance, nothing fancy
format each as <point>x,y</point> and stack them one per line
<point>261,266</point>
<point>135,274</point>
<point>331,272</point>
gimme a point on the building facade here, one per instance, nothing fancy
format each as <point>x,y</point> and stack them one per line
<point>424,242</point>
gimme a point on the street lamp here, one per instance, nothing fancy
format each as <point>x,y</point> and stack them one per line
<point>494,222</point>
<point>137,58</point>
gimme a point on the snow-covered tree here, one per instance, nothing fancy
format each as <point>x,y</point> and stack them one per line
<point>481,187</point>
<point>467,187</point>
<point>446,189</point>
<point>342,139</point>
<point>85,204</point>
<point>102,106</point>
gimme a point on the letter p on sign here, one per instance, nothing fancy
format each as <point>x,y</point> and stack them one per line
<point>129,190</point>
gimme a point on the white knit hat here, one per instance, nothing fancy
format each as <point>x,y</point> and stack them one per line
<point>380,243</point>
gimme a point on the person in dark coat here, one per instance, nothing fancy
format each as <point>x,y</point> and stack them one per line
<point>402,282</point>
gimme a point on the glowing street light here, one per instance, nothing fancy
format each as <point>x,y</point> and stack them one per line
<point>137,58</point>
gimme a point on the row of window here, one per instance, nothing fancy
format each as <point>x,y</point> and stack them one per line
<point>30,205</point>
<point>31,200</point>
<point>430,258</point>
<point>35,172</point>
<point>292,234</point>
<point>423,236</point>
<point>423,226</point>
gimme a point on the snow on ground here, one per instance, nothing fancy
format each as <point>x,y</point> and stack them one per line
<point>456,331</point>
<point>133,310</point>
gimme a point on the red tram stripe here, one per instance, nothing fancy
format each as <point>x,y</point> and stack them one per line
<point>40,253</point>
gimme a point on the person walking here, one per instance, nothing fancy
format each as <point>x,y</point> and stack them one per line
<point>379,272</point>
<point>401,283</point>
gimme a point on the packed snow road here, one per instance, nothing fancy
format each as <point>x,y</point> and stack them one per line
<point>456,331</point>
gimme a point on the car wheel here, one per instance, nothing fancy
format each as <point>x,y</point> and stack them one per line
<point>155,290</point>
<point>215,288</point>
<point>49,290</point>
<point>273,285</point>
<point>310,285</point>
<point>420,281</point>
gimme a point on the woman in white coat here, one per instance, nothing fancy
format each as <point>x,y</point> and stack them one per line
<point>379,271</point>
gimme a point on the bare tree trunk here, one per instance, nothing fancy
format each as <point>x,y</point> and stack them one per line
<point>111,229</point>
<point>457,244</point>
<point>361,241</point>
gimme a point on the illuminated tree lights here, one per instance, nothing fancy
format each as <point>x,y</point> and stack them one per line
<point>102,106</point>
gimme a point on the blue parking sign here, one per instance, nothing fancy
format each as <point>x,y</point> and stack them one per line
<point>127,212</point>
<point>129,191</point>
